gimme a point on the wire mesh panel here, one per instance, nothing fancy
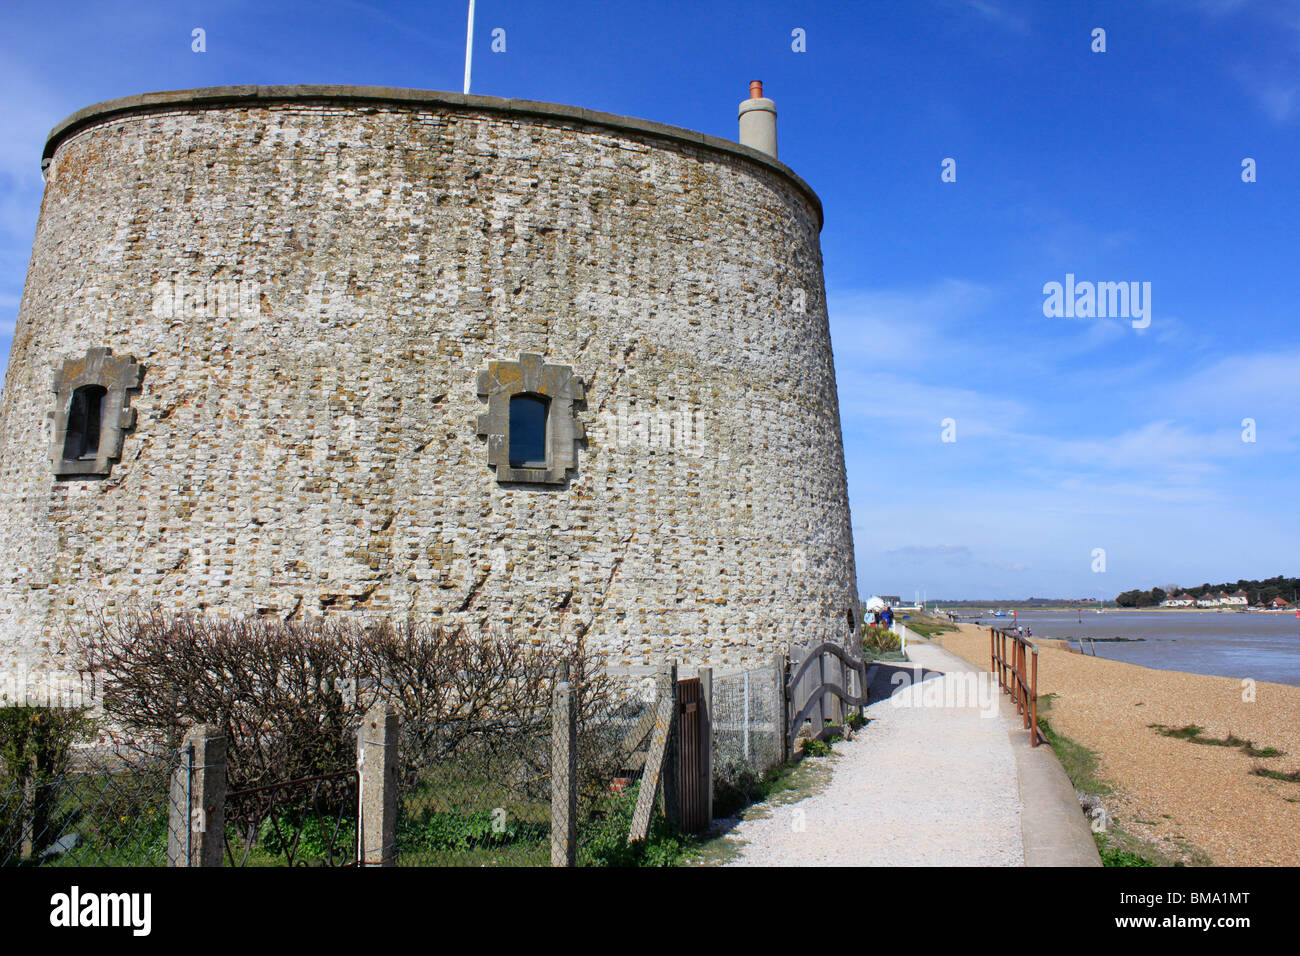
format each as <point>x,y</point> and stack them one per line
<point>106,809</point>
<point>476,798</point>
<point>613,737</point>
<point>746,727</point>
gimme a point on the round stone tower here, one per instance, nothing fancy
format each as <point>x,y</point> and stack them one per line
<point>330,350</point>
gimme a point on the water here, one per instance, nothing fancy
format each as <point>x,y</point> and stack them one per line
<point>1265,647</point>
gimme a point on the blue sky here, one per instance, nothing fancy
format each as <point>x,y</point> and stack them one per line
<point>1072,434</point>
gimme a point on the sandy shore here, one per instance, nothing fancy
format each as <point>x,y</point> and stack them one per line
<point>1182,796</point>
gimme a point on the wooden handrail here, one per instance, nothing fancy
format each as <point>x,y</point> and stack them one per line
<point>1016,676</point>
<point>826,648</point>
<point>813,703</point>
<point>815,698</point>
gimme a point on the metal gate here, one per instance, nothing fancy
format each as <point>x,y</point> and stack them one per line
<point>693,781</point>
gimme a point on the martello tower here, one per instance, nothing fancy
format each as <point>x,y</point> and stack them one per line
<point>332,350</point>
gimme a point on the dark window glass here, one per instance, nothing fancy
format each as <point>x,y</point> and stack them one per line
<point>528,431</point>
<point>85,417</point>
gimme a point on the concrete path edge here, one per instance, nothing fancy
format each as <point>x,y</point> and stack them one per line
<point>1052,826</point>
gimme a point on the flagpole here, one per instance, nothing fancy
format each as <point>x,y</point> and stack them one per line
<point>469,44</point>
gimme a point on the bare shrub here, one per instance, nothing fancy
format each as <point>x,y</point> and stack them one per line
<point>289,695</point>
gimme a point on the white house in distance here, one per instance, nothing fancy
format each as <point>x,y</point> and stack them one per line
<point>1222,599</point>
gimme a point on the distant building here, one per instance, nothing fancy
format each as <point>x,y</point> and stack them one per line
<point>1180,600</point>
<point>1279,604</point>
<point>1238,598</point>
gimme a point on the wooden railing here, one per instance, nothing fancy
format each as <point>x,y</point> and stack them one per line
<point>819,682</point>
<point>1015,660</point>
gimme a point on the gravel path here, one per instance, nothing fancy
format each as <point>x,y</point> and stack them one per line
<point>918,786</point>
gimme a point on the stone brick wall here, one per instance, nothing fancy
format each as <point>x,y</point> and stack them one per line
<point>305,437</point>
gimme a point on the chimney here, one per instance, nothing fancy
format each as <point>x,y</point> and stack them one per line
<point>758,121</point>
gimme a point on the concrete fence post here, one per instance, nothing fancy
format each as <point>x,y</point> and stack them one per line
<point>197,812</point>
<point>564,776</point>
<point>706,740</point>
<point>672,755</point>
<point>377,755</point>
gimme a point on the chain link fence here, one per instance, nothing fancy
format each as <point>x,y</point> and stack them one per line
<point>471,792</point>
<point>613,740</point>
<point>106,808</point>
<point>481,796</point>
<point>476,795</point>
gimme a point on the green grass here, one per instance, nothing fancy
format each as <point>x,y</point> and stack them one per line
<point>888,657</point>
<point>1080,763</point>
<point>927,625</point>
<point>1114,856</point>
<point>782,785</point>
<point>1117,847</point>
<point>602,835</point>
<point>1292,776</point>
<point>473,838</point>
<point>741,787</point>
<point>1193,733</point>
<point>815,747</point>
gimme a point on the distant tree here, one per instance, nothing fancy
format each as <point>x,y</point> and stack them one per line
<point>1257,592</point>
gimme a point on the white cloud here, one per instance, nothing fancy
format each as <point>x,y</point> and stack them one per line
<point>998,13</point>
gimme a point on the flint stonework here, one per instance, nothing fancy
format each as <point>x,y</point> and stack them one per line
<point>321,281</point>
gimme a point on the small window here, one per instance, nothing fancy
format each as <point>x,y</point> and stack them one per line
<point>528,431</point>
<point>85,421</point>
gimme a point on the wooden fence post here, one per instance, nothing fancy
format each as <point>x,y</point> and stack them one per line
<point>840,679</point>
<point>564,777</point>
<point>863,689</point>
<point>377,798</point>
<point>706,740</point>
<point>197,813</point>
<point>654,767</point>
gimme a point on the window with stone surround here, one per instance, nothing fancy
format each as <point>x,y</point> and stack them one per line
<point>92,411</point>
<point>530,425</point>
